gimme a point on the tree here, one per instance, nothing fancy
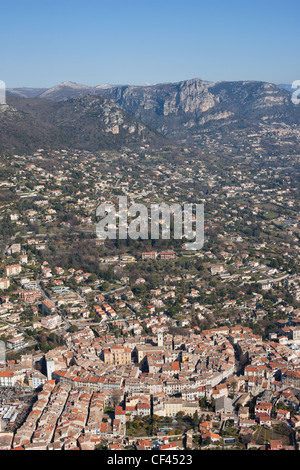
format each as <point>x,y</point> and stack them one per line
<point>73,329</point>
<point>195,419</point>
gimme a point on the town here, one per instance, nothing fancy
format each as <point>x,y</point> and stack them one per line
<point>143,344</point>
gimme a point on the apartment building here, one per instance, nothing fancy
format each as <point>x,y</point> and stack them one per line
<point>29,296</point>
<point>13,269</point>
<point>51,322</point>
<point>117,355</point>
<point>48,306</point>
<point>8,379</point>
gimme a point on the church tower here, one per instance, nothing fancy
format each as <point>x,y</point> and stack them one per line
<point>160,339</point>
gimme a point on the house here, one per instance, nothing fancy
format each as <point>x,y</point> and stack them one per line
<point>246,423</point>
<point>151,308</point>
<point>171,446</point>
<point>13,269</point>
<point>219,391</point>
<point>144,444</point>
<point>120,414</point>
<point>106,430</point>
<point>223,405</point>
<point>293,378</point>
<point>283,414</point>
<point>167,255</point>
<point>14,248</point>
<point>216,269</point>
<point>6,439</point>
<point>263,419</point>
<point>36,379</point>
<point>23,259</point>
<point>4,283</point>
<point>17,342</point>
<point>205,427</point>
<point>276,445</point>
<point>243,412</point>
<point>143,409</point>
<point>263,407</point>
<point>149,255</point>
<point>213,437</point>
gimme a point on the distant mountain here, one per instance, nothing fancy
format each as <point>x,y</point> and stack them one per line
<point>66,90</point>
<point>26,92</point>
<point>194,112</point>
<point>286,86</point>
<point>87,122</point>
<point>60,92</point>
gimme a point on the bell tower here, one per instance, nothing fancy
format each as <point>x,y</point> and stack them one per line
<point>160,339</point>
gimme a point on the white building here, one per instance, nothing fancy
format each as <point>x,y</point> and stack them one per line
<point>50,368</point>
<point>7,379</point>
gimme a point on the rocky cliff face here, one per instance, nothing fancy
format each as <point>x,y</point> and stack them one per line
<point>191,96</point>
<point>179,110</point>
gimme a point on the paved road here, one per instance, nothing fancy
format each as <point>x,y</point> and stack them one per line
<point>115,290</point>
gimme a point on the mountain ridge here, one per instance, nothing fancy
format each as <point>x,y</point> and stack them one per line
<point>86,122</point>
<point>28,92</point>
<point>194,111</point>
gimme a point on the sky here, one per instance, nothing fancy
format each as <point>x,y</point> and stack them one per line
<point>46,42</point>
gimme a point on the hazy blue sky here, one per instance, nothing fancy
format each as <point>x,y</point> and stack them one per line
<point>44,42</point>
